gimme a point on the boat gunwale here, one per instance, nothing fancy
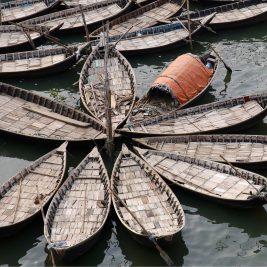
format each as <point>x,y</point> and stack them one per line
<point>57,107</point>
<point>32,166</point>
<point>147,169</point>
<point>262,98</point>
<point>61,192</point>
<point>181,139</point>
<point>84,76</point>
<point>138,12</point>
<point>211,166</point>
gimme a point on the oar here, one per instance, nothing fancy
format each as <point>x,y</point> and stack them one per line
<point>225,65</point>
<point>162,253</point>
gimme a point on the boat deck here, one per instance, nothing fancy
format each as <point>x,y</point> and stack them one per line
<point>22,192</point>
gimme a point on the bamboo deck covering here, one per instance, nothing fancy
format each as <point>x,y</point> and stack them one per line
<point>206,177</point>
<point>72,18</point>
<point>152,41</point>
<point>240,14</point>
<point>25,113</point>
<point>18,196</point>
<point>122,85</point>
<point>13,35</point>
<point>234,12</point>
<point>234,148</point>
<point>143,17</point>
<point>82,2</point>
<point>147,196</point>
<point>19,12</point>
<point>81,206</point>
<point>205,118</point>
<point>30,60</point>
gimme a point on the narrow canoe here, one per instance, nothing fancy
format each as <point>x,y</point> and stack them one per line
<point>39,62</point>
<point>212,180</point>
<point>122,85</point>
<point>184,81</point>
<point>147,197</point>
<point>248,151</point>
<point>239,14</point>
<point>222,116</point>
<point>79,209</point>
<point>13,38</point>
<point>35,117</point>
<point>143,17</point>
<point>19,10</point>
<point>19,197</point>
<point>94,14</point>
<point>158,38</point>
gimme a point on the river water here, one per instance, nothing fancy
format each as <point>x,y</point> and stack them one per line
<point>214,235</point>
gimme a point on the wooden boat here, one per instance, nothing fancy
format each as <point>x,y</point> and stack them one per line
<point>215,2</point>
<point>212,180</point>
<point>222,116</point>
<point>35,117</point>
<point>73,3</point>
<point>239,14</point>
<point>248,151</point>
<point>122,85</point>
<point>39,62</point>
<point>14,38</point>
<point>184,81</point>
<point>19,10</point>
<point>80,208</point>
<point>147,197</point>
<point>94,14</point>
<point>158,38</point>
<point>21,201</point>
<point>143,17</point>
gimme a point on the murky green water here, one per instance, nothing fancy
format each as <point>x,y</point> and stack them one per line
<point>214,235</point>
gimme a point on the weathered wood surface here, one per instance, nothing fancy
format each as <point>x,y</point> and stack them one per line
<point>157,38</point>
<point>244,149</point>
<point>57,124</point>
<point>12,36</point>
<point>80,208</point>
<point>23,9</point>
<point>73,3</point>
<point>72,18</point>
<point>207,178</point>
<point>158,102</point>
<point>18,196</point>
<point>218,116</point>
<point>147,196</point>
<point>122,85</point>
<point>235,14</point>
<point>29,62</point>
<point>144,17</point>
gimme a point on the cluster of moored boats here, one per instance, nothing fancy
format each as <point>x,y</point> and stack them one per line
<point>187,146</point>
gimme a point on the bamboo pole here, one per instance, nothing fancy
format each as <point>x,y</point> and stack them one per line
<point>85,25</point>
<point>44,221</point>
<point>189,24</point>
<point>109,141</point>
<point>28,36</point>
<point>46,34</point>
<point>162,253</point>
<point>17,203</point>
<point>225,65</point>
